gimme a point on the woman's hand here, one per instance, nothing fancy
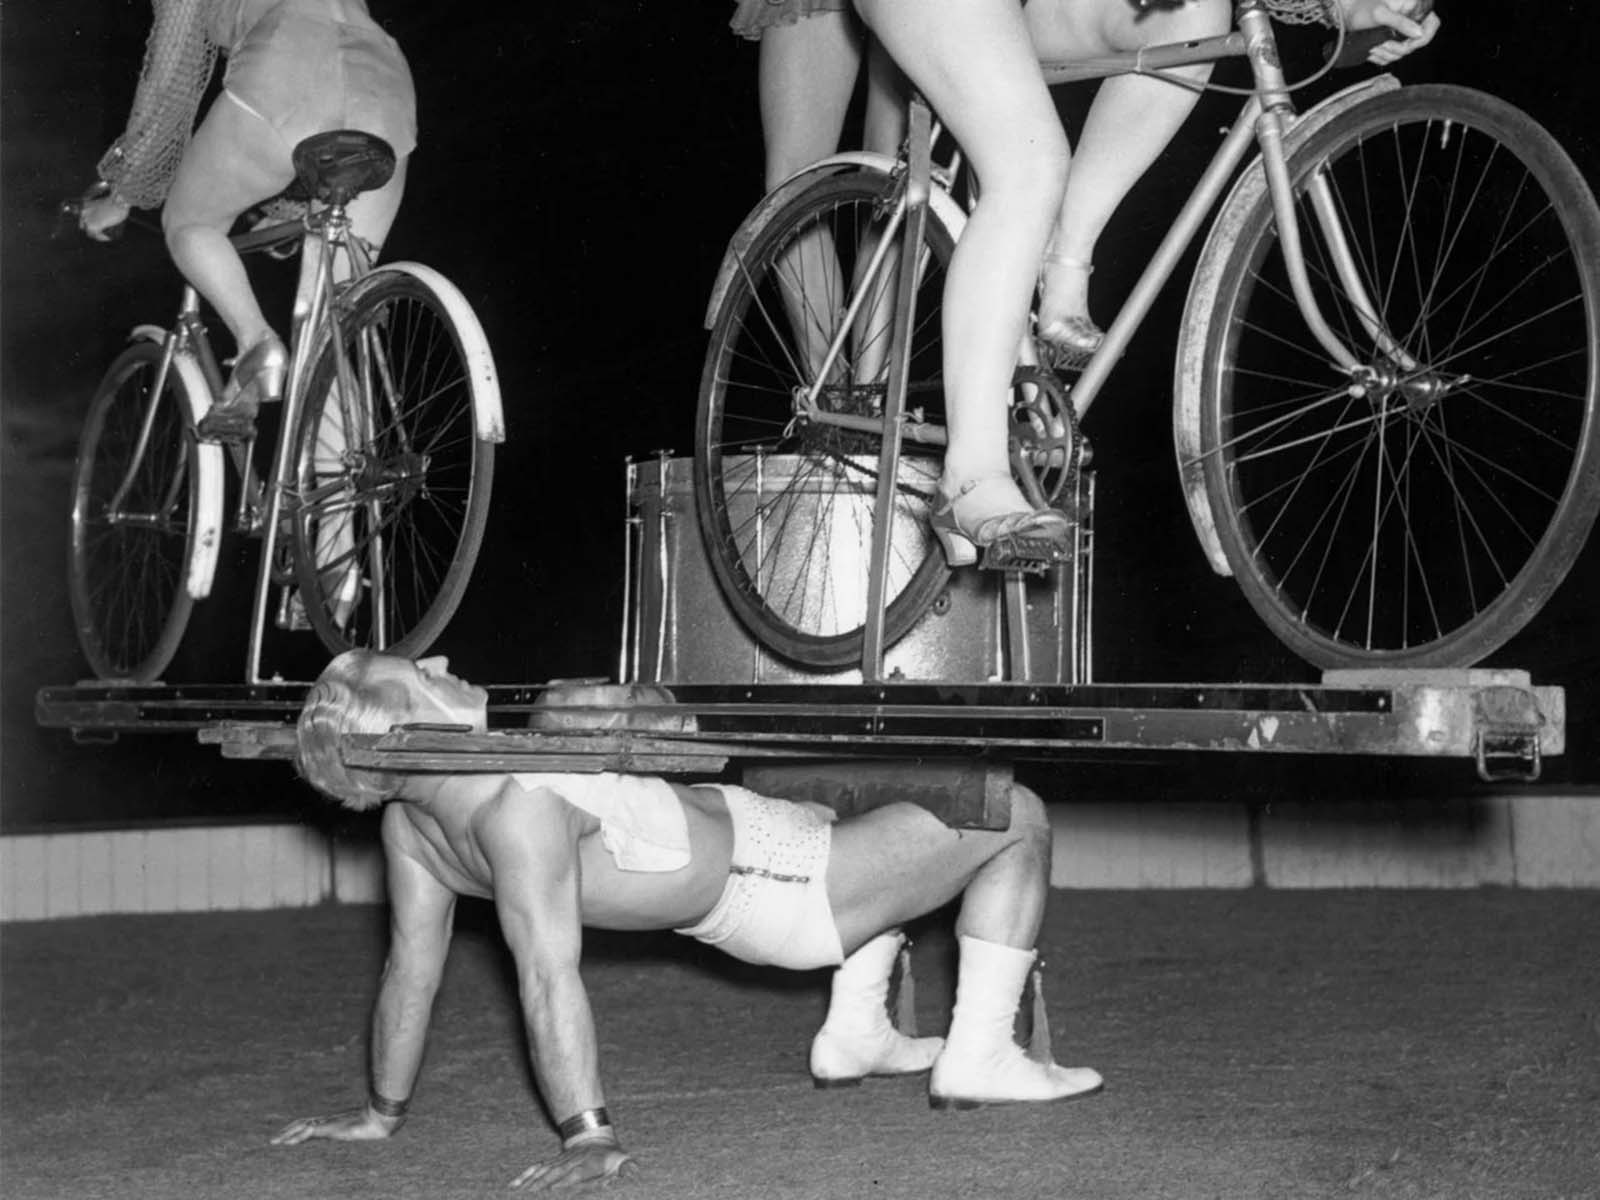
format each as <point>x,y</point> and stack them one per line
<point>354,1125</point>
<point>600,1161</point>
<point>101,211</point>
<point>1409,18</point>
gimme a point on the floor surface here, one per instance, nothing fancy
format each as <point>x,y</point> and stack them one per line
<point>1255,1044</point>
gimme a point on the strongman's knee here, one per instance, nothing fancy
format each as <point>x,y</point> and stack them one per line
<point>1028,816</point>
<point>1030,823</point>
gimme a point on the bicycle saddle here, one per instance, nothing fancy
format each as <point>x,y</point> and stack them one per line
<point>338,166</point>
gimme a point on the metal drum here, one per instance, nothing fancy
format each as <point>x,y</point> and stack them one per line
<point>679,630</point>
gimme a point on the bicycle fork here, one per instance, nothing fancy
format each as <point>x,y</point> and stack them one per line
<point>1270,133</point>
<point>114,509</point>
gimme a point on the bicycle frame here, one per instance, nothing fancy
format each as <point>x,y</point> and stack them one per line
<point>1263,120</point>
<point>315,319</point>
<point>186,348</point>
<point>1267,118</point>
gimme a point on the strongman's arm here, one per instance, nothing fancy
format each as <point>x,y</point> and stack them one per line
<point>421,909</point>
<point>420,912</point>
<point>531,842</point>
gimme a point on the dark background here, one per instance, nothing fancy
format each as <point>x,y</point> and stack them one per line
<point>580,170</point>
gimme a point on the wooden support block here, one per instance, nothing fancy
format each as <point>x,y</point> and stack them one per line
<point>963,794</point>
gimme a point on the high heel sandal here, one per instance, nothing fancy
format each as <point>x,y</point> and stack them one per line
<point>1067,343</point>
<point>1040,533</point>
<point>257,379</point>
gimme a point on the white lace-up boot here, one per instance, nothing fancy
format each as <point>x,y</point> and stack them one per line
<point>856,1039</point>
<point>981,1062</point>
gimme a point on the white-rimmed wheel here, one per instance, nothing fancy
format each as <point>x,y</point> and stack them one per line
<point>392,476</point>
<point>137,497</point>
<point>786,503</point>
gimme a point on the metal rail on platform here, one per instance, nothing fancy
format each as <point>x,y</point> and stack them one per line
<point>1497,719</point>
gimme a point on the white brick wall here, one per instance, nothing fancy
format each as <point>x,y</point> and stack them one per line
<point>1526,838</point>
<point>1150,845</point>
<point>195,869</point>
<point>1523,839</point>
<point>1556,840</point>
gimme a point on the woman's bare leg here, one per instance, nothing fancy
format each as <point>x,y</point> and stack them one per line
<point>974,62</point>
<point>235,160</point>
<point>1130,122</point>
<point>807,75</point>
<point>884,124</point>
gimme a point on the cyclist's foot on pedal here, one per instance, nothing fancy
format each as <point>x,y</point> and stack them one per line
<point>234,422</point>
<point>990,513</point>
<point>257,378</point>
<point>1065,336</point>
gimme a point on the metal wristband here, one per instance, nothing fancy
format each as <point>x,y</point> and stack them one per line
<point>589,1119</point>
<point>385,1107</point>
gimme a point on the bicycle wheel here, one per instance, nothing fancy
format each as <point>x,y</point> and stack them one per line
<point>786,503</point>
<point>133,520</point>
<point>1422,518</point>
<point>392,482</point>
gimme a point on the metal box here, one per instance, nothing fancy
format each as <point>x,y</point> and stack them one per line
<point>678,629</point>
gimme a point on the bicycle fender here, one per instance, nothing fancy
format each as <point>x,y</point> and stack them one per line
<point>488,413</point>
<point>1248,191</point>
<point>207,516</point>
<point>944,208</point>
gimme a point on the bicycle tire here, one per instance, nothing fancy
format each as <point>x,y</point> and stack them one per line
<point>127,569</point>
<point>1425,522</point>
<point>785,507</point>
<point>387,525</point>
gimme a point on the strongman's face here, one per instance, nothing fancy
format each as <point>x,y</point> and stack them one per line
<point>437,697</point>
<point>458,702</point>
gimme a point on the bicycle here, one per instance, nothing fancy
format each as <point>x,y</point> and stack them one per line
<point>1385,392</point>
<point>373,510</point>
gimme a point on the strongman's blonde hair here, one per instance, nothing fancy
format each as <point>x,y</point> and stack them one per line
<point>343,701</point>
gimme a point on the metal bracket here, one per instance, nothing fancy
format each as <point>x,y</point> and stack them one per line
<point>1506,740</point>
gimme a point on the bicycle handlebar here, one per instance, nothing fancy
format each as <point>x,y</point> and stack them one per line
<point>263,238</point>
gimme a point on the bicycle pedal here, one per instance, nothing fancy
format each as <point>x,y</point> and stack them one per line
<point>1031,555</point>
<point>227,429</point>
<point>1060,361</point>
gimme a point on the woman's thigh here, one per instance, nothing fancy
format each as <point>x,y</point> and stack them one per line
<point>373,213</point>
<point>234,160</point>
<point>1064,30</point>
<point>974,62</point>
